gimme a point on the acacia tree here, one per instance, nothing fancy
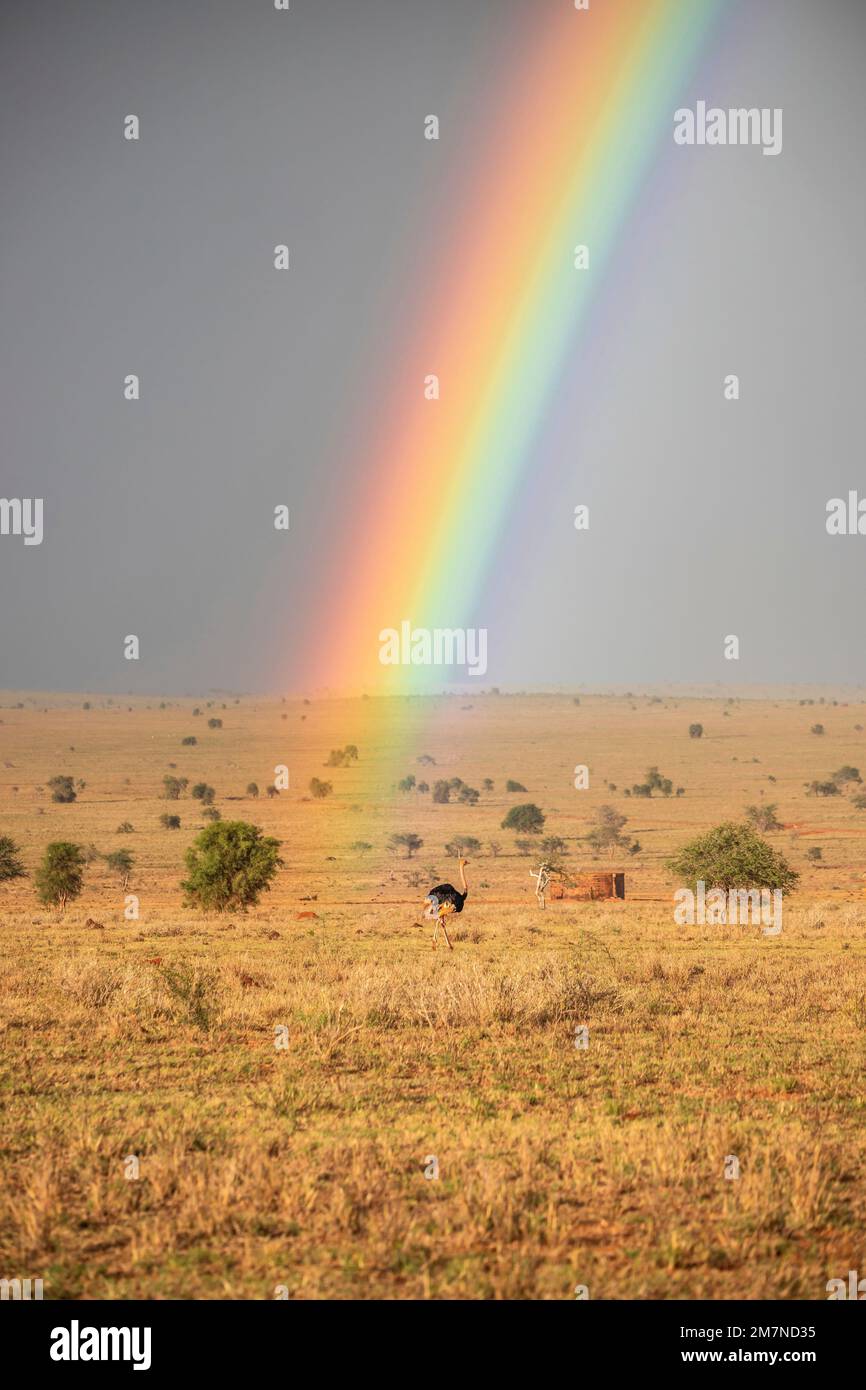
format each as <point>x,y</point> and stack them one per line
<point>527,818</point>
<point>230,864</point>
<point>121,862</point>
<point>408,841</point>
<point>733,856</point>
<point>764,817</point>
<point>11,865</point>
<point>607,834</point>
<point>60,876</point>
<point>62,788</point>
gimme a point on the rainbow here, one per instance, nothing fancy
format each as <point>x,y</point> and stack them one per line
<point>579,117</point>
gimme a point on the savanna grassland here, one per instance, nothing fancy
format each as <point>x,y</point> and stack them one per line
<point>303,1166</point>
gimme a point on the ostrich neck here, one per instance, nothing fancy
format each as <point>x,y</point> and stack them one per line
<point>463,887</point>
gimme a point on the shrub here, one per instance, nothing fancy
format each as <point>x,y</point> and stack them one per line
<point>252,789</point>
<point>189,741</point>
<point>126,827</point>
<point>173,786</point>
<point>468,796</point>
<point>361,847</point>
<point>121,862</point>
<point>320,789</point>
<point>763,817</point>
<point>847,774</point>
<point>495,848</point>
<point>817,729</point>
<point>816,788</point>
<point>441,792</point>
<point>859,801</point>
<point>607,834</point>
<point>62,789</point>
<point>169,822</point>
<point>202,792</point>
<point>552,845</point>
<point>230,864</point>
<point>527,818</point>
<point>272,791</point>
<point>406,783</point>
<point>423,787</point>
<point>462,844</point>
<point>487,784</point>
<point>426,761</point>
<point>211,813</point>
<point>409,842</point>
<point>214,723</point>
<point>512,786</point>
<point>60,876</point>
<point>814,854</point>
<point>696,730</point>
<point>339,757</point>
<point>733,856</point>
<point>11,865</point>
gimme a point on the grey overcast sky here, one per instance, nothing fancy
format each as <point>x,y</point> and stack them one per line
<point>707,518</point>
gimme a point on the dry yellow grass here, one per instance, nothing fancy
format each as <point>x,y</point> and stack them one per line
<point>304,1166</point>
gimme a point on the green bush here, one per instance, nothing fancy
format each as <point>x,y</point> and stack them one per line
<point>62,789</point>
<point>10,862</point>
<point>733,856</point>
<point>60,876</point>
<point>230,864</point>
<point>526,818</point>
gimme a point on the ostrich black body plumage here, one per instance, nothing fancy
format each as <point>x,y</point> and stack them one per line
<point>447,893</point>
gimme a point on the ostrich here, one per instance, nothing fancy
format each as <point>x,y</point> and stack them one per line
<point>444,900</point>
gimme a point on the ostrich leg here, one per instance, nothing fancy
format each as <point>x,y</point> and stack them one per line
<point>445,929</point>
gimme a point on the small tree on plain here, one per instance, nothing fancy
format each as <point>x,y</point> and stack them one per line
<point>408,841</point>
<point>11,865</point>
<point>62,788</point>
<point>696,730</point>
<point>847,774</point>
<point>607,834</point>
<point>553,847</point>
<point>60,876</point>
<point>169,822</point>
<point>462,844</point>
<point>121,862</point>
<point>512,786</point>
<point>252,790</point>
<point>229,865</point>
<point>764,817</point>
<point>733,856</point>
<point>526,818</point>
<point>320,789</point>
